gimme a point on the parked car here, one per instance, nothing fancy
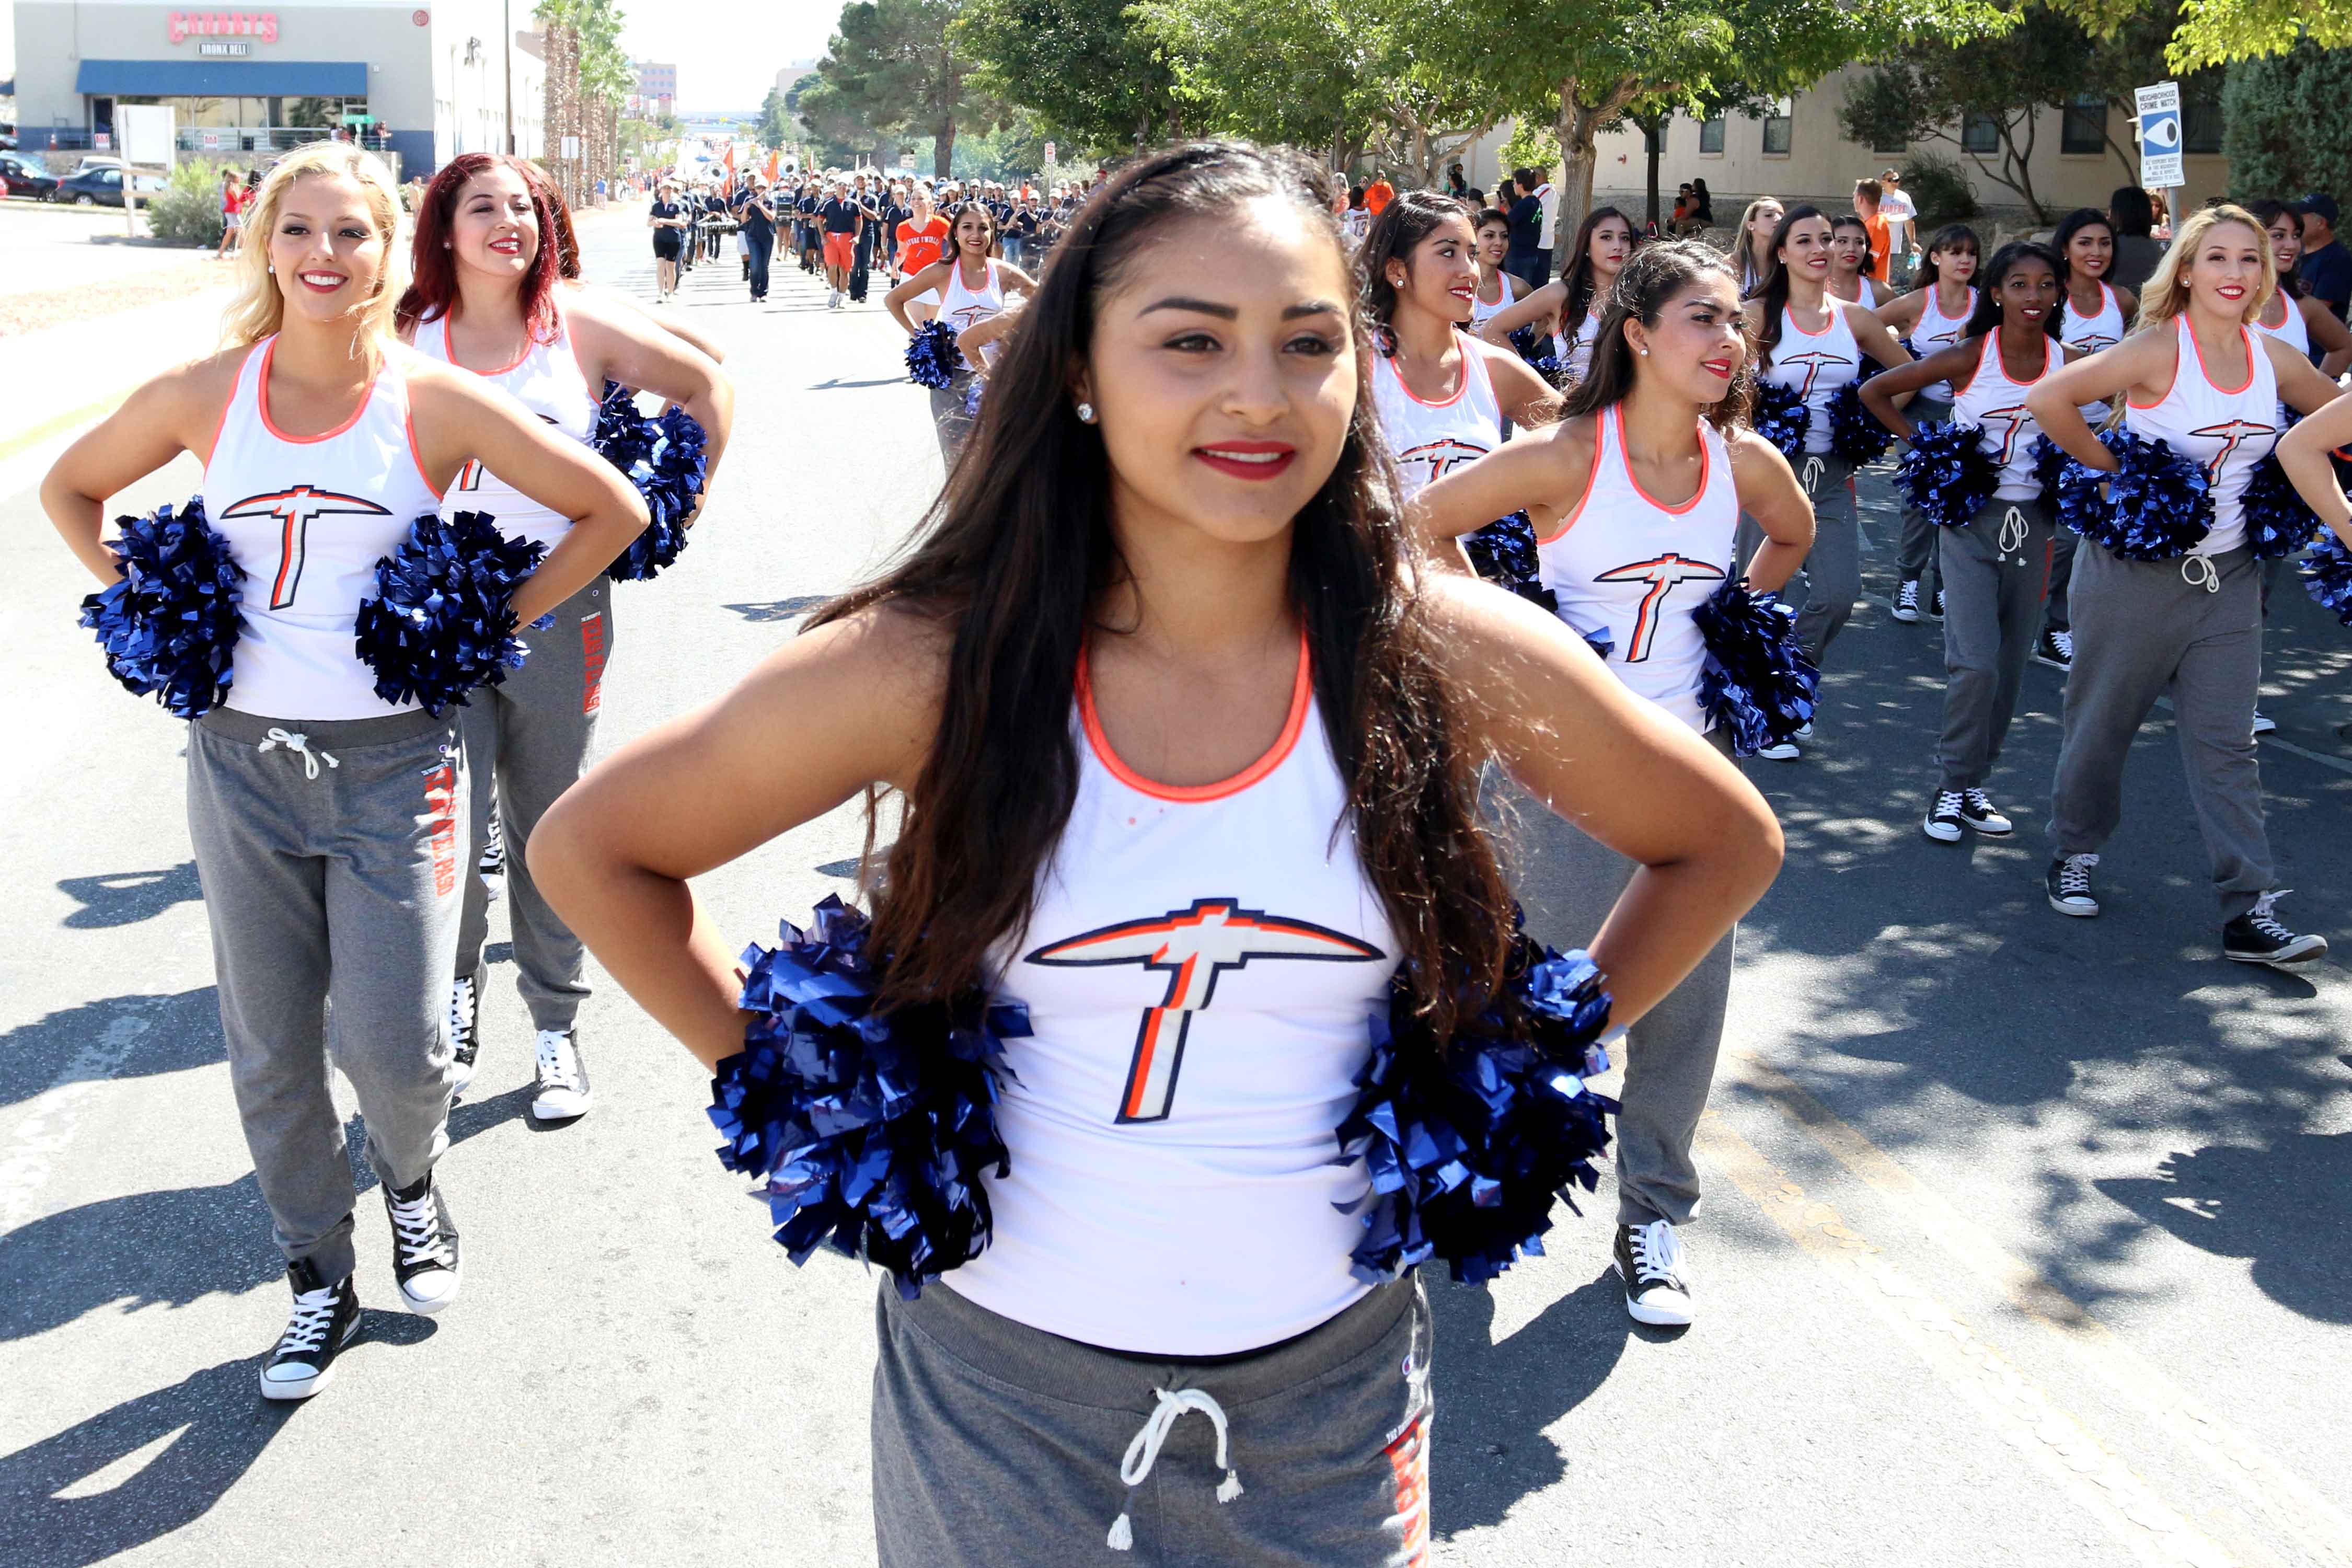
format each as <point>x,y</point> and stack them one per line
<point>8,137</point>
<point>102,188</point>
<point>23,177</point>
<point>96,161</point>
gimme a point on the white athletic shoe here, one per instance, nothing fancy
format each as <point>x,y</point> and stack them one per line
<point>1779,751</point>
<point>563,1077</point>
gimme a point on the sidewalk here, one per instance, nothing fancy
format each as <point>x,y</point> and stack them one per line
<point>81,371</point>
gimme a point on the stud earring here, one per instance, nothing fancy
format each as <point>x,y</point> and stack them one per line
<point>1645,353</point>
<point>1085,413</point>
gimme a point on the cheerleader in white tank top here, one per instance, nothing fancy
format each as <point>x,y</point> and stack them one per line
<point>1813,345</point>
<point>328,823</point>
<point>1494,235</point>
<point>1201,937</point>
<point>975,292</point>
<point>2097,316</point>
<point>1574,301</point>
<point>1636,498</point>
<point>2295,316</point>
<point>2190,625</point>
<point>1443,397</point>
<point>1932,315</point>
<point>485,301</point>
<point>1994,564</point>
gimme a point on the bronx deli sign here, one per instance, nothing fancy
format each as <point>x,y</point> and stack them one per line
<point>259,26</point>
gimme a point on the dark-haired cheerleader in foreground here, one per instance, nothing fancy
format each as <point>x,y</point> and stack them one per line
<point>1635,497</point>
<point>487,298</point>
<point>2166,596</point>
<point>328,817</point>
<point>1190,750</point>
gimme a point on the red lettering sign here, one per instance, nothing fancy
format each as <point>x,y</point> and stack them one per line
<point>182,26</point>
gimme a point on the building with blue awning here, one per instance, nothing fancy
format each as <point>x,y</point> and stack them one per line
<point>425,81</point>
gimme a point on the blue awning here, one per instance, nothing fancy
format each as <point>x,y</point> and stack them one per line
<point>224,78</point>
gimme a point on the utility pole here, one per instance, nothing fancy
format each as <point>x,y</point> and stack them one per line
<point>506,53</point>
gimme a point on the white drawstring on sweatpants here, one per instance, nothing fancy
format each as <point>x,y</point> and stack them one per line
<point>299,744</point>
<point>1144,1452</point>
<point>1810,474</point>
<point>2197,571</point>
<point>2014,531</point>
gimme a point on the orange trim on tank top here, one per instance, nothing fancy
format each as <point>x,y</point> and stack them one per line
<point>1462,387</point>
<point>1302,699</point>
<point>1600,456</point>
<point>261,401</point>
<point>1625,461</point>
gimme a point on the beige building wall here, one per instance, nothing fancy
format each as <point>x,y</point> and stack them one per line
<point>1820,165</point>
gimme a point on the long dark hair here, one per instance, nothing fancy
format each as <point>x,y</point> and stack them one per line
<point>1986,317</point>
<point>432,290</point>
<point>2269,212</point>
<point>955,221</point>
<point>1402,225</point>
<point>1869,251</point>
<point>1577,277</point>
<point>1012,562</point>
<point>1653,276</point>
<point>1951,236</point>
<point>1775,291</point>
<point>2073,224</point>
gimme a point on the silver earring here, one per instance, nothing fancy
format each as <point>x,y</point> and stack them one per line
<point>1085,413</point>
<point>1645,353</point>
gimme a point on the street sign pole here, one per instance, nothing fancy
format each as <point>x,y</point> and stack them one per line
<point>2160,139</point>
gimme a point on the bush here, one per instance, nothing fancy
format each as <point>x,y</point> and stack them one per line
<point>2284,127</point>
<point>1532,145</point>
<point>187,210</point>
<point>1939,189</point>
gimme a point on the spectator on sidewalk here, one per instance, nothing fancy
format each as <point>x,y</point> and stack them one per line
<point>1379,194</point>
<point>2137,252</point>
<point>2326,267</point>
<point>1867,196</point>
<point>1902,216</point>
<point>1529,256</point>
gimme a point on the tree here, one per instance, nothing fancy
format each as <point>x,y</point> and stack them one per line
<point>1087,70</point>
<point>1650,116</point>
<point>1344,74</point>
<point>775,128</point>
<point>2217,32</point>
<point>2285,131</point>
<point>1582,65</point>
<point>1995,86</point>
<point>896,65</point>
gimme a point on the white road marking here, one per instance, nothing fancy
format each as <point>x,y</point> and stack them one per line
<point>52,1116</point>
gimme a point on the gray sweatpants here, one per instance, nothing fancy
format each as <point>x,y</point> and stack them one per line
<point>2142,631</point>
<point>1916,559</point>
<point>1832,570</point>
<point>995,1444</point>
<point>529,739</point>
<point>1994,569</point>
<point>954,425</point>
<point>338,885</point>
<point>1569,886</point>
<point>2062,577</point>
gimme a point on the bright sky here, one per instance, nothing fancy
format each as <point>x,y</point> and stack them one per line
<point>727,54</point>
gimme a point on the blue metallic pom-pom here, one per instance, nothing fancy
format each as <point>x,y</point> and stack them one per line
<point>932,358</point>
<point>1757,682</point>
<point>1467,1142</point>
<point>1780,417</point>
<point>2156,506</point>
<point>972,394</point>
<point>442,621</point>
<point>2278,523</point>
<point>2327,576</point>
<point>870,1131</point>
<point>1948,475</point>
<point>171,625</point>
<point>1855,434</point>
<point>1503,552</point>
<point>2050,464</point>
<point>1536,348</point>
<point>664,458</point>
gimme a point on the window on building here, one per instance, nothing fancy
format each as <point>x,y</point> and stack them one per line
<point>1710,134</point>
<point>1979,133</point>
<point>2200,114</point>
<point>1779,124</point>
<point>2083,126</point>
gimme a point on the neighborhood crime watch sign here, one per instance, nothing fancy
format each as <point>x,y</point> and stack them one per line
<point>2160,135</point>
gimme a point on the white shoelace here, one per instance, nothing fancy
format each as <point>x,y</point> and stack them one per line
<point>1658,1249</point>
<point>1144,1452</point>
<point>559,1064</point>
<point>2013,532</point>
<point>2065,643</point>
<point>2074,873</point>
<point>461,1011</point>
<point>416,1225</point>
<point>2264,920</point>
<point>299,744</point>
<point>1948,802</point>
<point>2197,571</point>
<point>314,1314</point>
<point>1981,802</point>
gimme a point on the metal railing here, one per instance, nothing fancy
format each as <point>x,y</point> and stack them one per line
<point>248,138</point>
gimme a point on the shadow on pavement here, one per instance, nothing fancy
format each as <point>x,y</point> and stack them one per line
<point>781,609</point>
<point>218,1425</point>
<point>1493,1401</point>
<point>124,897</point>
<point>2235,1200</point>
<point>114,1036</point>
<point>177,1245</point>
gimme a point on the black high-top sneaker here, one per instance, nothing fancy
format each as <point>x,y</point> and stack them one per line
<point>464,1026</point>
<point>325,1316</point>
<point>492,866</point>
<point>424,1245</point>
<point>1657,1271</point>
<point>2259,936</point>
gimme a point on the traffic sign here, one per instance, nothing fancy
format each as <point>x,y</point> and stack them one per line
<point>2160,135</point>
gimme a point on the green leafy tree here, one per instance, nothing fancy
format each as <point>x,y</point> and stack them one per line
<point>1936,93</point>
<point>2217,32</point>
<point>1582,65</point>
<point>1651,116</point>
<point>2286,130</point>
<point>898,65</point>
<point>1084,67</point>
<point>775,128</point>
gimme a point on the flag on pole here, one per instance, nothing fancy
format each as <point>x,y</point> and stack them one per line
<point>774,158</point>
<point>730,160</point>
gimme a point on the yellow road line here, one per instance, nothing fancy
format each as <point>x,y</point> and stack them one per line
<point>59,424</point>
<point>2046,1434</point>
<point>2292,1505</point>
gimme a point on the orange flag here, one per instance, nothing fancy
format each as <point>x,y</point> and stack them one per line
<point>774,159</point>
<point>730,160</point>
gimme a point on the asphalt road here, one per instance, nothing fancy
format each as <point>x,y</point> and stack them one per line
<point>2026,1240</point>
